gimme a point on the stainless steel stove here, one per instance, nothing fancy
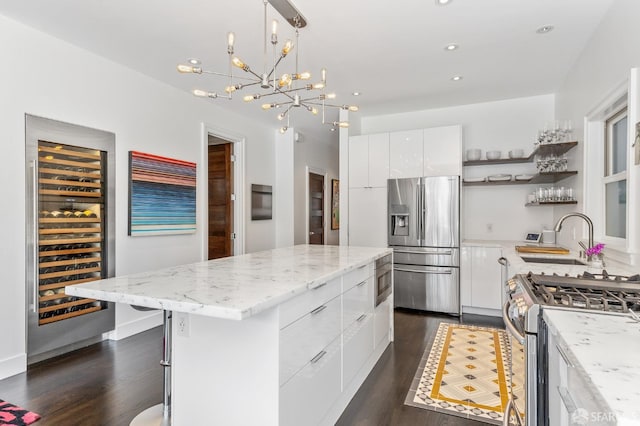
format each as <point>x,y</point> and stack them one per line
<point>527,295</point>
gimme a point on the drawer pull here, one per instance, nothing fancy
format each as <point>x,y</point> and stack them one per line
<point>319,309</point>
<point>428,253</point>
<point>361,317</point>
<point>317,357</point>
<point>362,283</point>
<point>319,286</point>
<point>564,356</point>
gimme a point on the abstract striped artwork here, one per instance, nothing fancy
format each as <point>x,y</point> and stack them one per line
<point>162,195</point>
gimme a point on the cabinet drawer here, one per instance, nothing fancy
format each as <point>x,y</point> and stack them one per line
<point>357,301</point>
<point>297,307</point>
<point>306,398</point>
<point>382,323</point>
<point>355,277</point>
<point>357,343</point>
<point>303,339</point>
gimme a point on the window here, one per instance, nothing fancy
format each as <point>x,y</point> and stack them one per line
<point>615,176</point>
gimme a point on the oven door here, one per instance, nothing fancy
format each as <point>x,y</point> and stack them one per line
<point>518,411</point>
<point>384,282</point>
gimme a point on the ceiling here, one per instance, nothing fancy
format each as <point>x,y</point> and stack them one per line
<point>392,52</point>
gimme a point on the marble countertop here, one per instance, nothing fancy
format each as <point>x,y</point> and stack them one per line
<point>234,287</point>
<point>519,266</point>
<point>606,349</point>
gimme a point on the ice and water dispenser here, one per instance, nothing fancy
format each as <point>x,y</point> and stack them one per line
<point>399,220</point>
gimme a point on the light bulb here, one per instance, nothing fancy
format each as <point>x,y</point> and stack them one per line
<point>274,26</point>
<point>323,74</point>
<point>288,45</point>
<point>342,124</point>
<point>303,76</point>
<point>267,106</point>
<point>314,111</point>
<point>199,93</point>
<point>281,116</point>
<point>331,95</point>
<point>285,80</point>
<point>231,37</point>
<point>230,89</point>
<point>185,68</point>
<point>238,62</point>
<point>353,108</point>
<point>318,85</point>
<point>283,129</point>
<point>248,98</point>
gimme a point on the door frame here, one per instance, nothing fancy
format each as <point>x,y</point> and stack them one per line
<point>238,187</point>
<point>325,174</point>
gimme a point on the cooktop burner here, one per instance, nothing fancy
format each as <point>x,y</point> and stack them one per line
<point>601,292</point>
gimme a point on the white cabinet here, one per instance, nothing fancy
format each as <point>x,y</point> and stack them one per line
<point>368,217</point>
<point>442,151</point>
<point>326,353</point>
<point>382,333</point>
<point>369,161</point>
<point>481,280</point>
<point>406,154</point>
<point>311,392</point>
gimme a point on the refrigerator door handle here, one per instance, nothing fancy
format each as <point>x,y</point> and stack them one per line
<point>423,211</point>
<point>34,218</point>
<point>429,253</point>
<point>416,271</point>
<point>418,217</point>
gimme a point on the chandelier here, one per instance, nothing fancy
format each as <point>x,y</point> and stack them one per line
<point>285,92</point>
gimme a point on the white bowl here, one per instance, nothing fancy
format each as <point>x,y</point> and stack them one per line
<point>474,154</point>
<point>516,153</point>
<point>493,155</point>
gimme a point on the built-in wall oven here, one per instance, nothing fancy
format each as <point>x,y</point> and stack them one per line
<point>384,278</point>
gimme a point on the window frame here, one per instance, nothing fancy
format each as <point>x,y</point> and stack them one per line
<point>607,178</point>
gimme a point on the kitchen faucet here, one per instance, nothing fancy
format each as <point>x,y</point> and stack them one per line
<point>558,226</point>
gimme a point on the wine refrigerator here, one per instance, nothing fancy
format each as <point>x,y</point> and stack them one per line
<point>70,233</point>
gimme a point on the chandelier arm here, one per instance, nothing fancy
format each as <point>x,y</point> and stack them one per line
<point>221,74</point>
<point>275,66</point>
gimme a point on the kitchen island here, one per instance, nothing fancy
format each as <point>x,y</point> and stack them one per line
<point>279,337</point>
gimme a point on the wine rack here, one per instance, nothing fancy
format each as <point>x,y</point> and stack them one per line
<point>71,207</point>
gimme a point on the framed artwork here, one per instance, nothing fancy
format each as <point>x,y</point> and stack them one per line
<point>335,204</point>
<point>162,195</point>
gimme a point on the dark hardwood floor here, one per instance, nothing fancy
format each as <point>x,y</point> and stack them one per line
<point>380,400</point>
<point>110,382</point>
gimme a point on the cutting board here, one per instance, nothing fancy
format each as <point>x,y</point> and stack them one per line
<point>543,250</point>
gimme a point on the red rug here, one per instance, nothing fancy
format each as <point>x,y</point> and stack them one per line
<point>17,416</point>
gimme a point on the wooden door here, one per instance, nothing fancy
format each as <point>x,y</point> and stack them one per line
<point>316,209</point>
<point>220,203</point>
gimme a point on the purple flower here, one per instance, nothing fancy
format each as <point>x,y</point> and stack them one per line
<point>597,249</point>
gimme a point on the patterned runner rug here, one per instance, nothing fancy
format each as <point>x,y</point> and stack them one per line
<point>465,373</point>
<point>13,415</point>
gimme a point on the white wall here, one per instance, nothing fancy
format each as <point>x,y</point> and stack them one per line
<point>604,64</point>
<point>320,157</point>
<point>46,77</point>
<point>496,212</point>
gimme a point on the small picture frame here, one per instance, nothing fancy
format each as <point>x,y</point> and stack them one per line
<point>335,204</point>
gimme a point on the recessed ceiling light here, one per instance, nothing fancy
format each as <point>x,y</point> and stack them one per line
<point>442,2</point>
<point>545,29</point>
<point>194,61</point>
<point>456,78</point>
<point>356,93</point>
<point>451,47</point>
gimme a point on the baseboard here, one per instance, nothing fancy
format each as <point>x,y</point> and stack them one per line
<point>349,392</point>
<point>481,311</point>
<point>12,366</point>
<point>122,331</point>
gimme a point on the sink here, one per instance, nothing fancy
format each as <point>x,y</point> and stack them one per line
<point>556,260</point>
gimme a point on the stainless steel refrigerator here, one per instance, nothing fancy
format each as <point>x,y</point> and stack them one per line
<point>424,232</point>
<point>70,234</point>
